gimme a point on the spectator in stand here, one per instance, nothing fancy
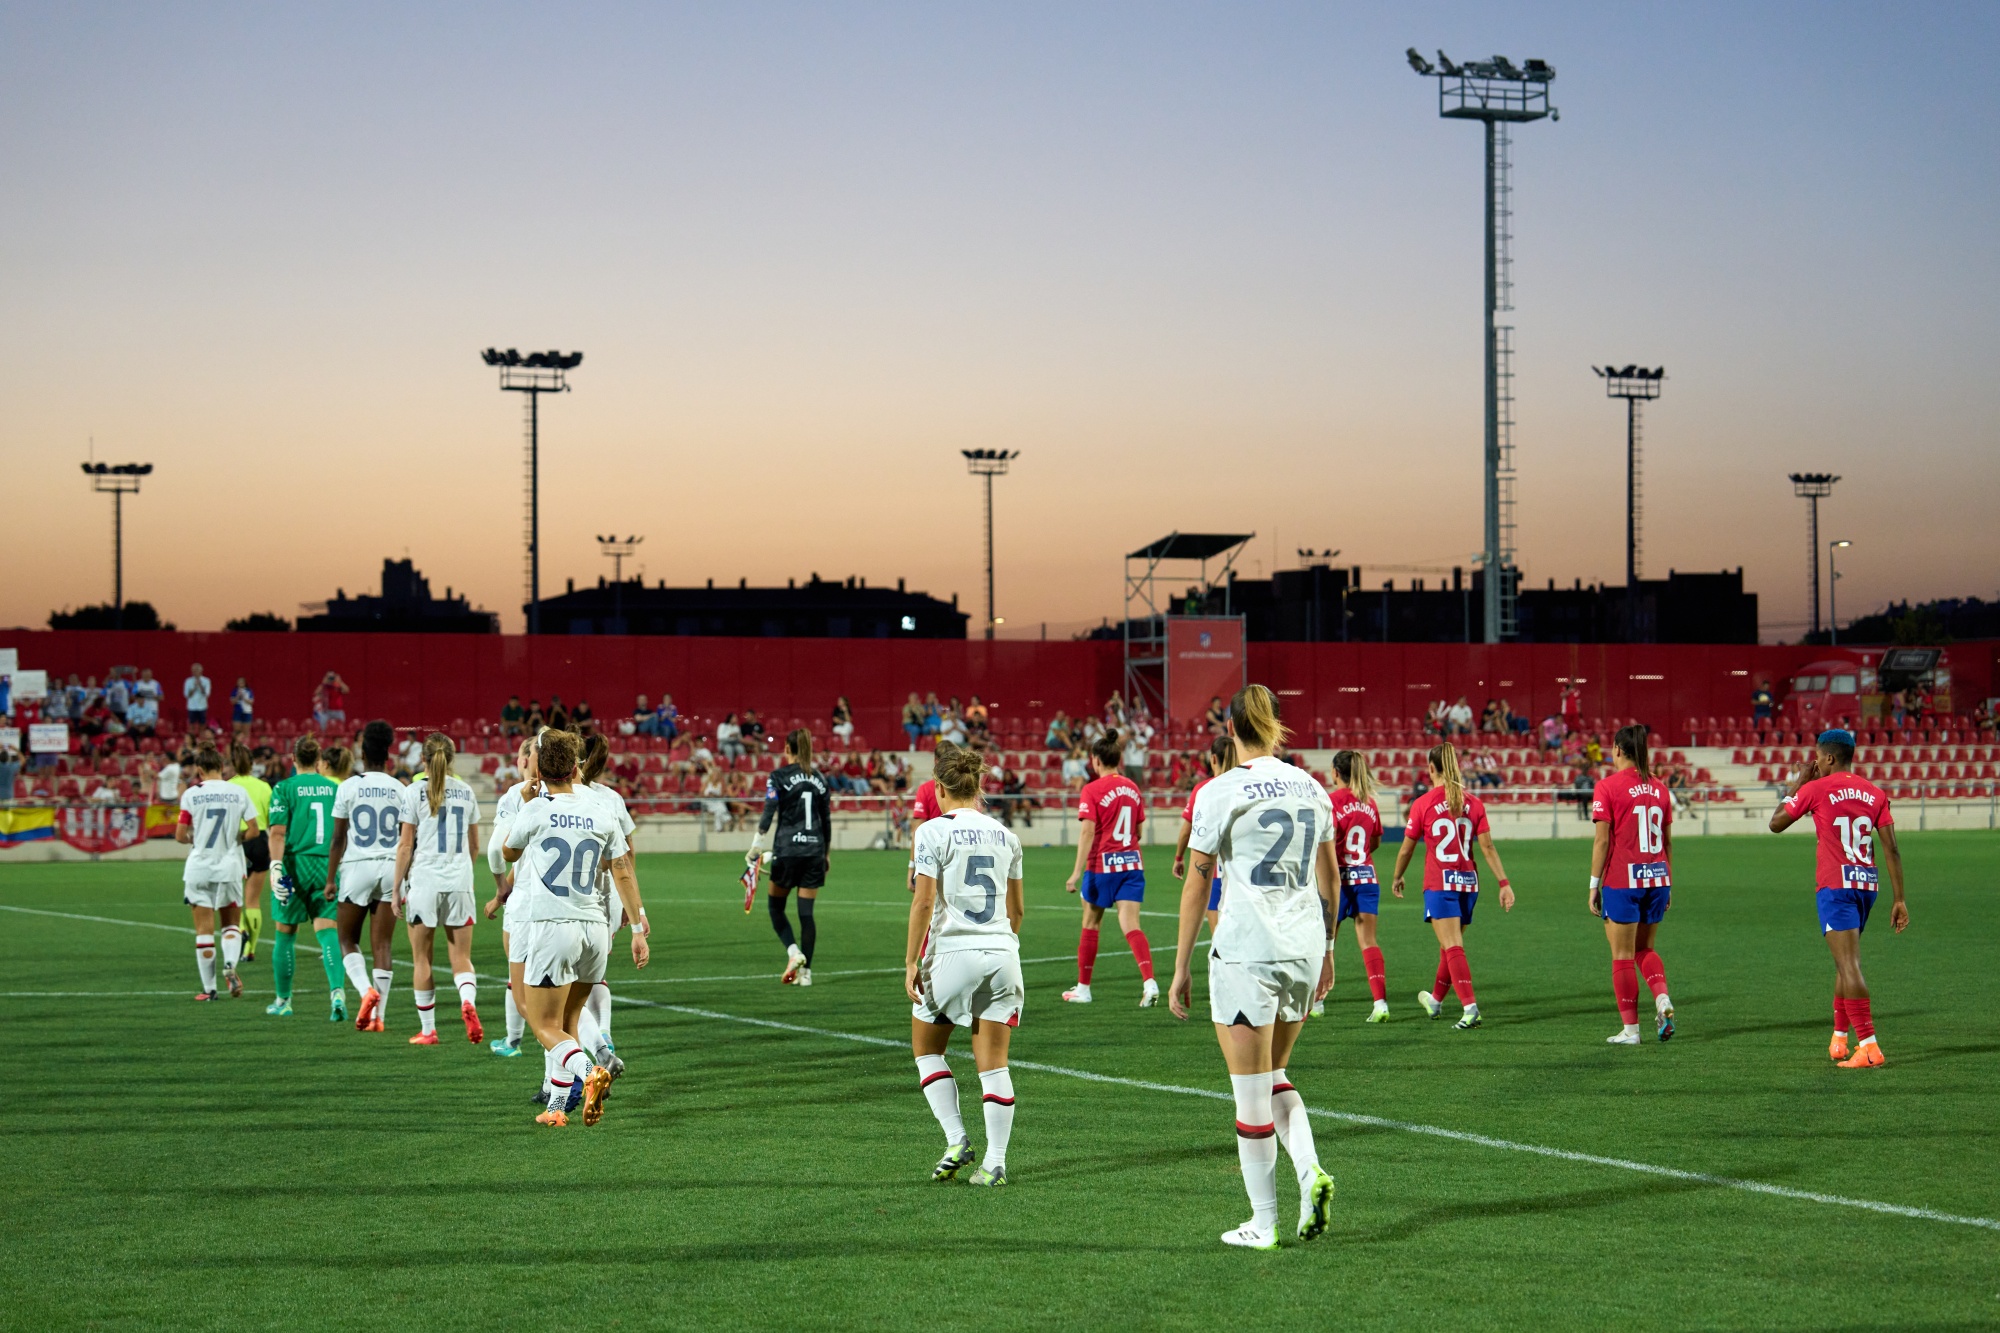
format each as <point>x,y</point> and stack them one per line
<point>753,734</point>
<point>951,727</point>
<point>142,715</point>
<point>669,717</point>
<point>1218,716</point>
<point>854,774</point>
<point>1552,732</point>
<point>10,769</point>
<point>55,705</point>
<point>1572,708</point>
<point>1491,718</point>
<point>583,722</point>
<point>1459,715</point>
<point>1485,769</point>
<point>147,688</point>
<point>329,700</point>
<point>117,694</point>
<point>1058,737</point>
<point>700,758</point>
<point>1982,718</point>
<point>643,721</point>
<point>242,705</point>
<point>712,799</point>
<point>514,719</point>
<point>1076,768</point>
<point>843,719</point>
<point>194,692</point>
<point>1437,720</point>
<point>1761,702</point>
<point>72,696</point>
<point>1136,738</point>
<point>536,718</point>
<point>933,714</point>
<point>977,720</point>
<point>558,715</point>
<point>729,737</point>
<point>1114,712</point>
<point>1015,800</point>
<point>913,720</point>
<point>167,782</point>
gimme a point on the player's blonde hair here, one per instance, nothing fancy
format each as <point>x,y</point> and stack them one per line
<point>1444,763</point>
<point>1351,767</point>
<point>339,762</point>
<point>1254,713</point>
<point>438,752</point>
<point>958,769</point>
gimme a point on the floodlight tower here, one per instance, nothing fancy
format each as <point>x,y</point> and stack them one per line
<point>535,374</point>
<point>989,463</point>
<point>1833,592</point>
<point>1636,385</point>
<point>618,548</point>
<point>117,480</point>
<point>1498,93</point>
<point>1812,487</point>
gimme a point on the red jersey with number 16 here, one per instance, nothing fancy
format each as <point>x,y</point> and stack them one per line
<point>1113,802</point>
<point>1447,842</point>
<point>1639,812</point>
<point>1846,811</point>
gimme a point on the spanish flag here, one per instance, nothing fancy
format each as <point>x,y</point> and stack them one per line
<point>21,825</point>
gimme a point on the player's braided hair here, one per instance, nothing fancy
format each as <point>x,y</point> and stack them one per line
<point>958,769</point>
<point>1631,742</point>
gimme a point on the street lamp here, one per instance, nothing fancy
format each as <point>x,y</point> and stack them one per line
<point>535,374</point>
<point>117,480</point>
<point>989,463</point>
<point>1833,593</point>
<point>1812,487</point>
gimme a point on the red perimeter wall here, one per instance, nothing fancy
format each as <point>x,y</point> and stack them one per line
<point>427,679</point>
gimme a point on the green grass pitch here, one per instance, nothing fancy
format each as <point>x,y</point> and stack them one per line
<point>167,1165</point>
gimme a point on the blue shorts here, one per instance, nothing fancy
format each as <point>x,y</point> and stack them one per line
<point>1442,903</point>
<point>1103,888</point>
<point>1356,899</point>
<point>1215,895</point>
<point>1637,906</point>
<point>1844,909</point>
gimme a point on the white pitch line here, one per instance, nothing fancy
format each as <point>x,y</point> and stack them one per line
<point>1210,1094</point>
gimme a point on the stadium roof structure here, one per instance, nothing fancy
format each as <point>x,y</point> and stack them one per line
<point>1147,610</point>
<point>1189,546</point>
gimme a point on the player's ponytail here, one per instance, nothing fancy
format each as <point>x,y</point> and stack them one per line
<point>1222,751</point>
<point>800,743</point>
<point>1631,742</point>
<point>438,751</point>
<point>1254,713</point>
<point>596,758</point>
<point>1108,750</point>
<point>1444,763</point>
<point>957,769</point>
<point>1351,767</point>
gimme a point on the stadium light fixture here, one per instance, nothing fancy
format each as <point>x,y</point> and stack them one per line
<point>989,463</point>
<point>1812,487</point>
<point>1635,384</point>
<point>117,480</point>
<point>1833,592</point>
<point>535,374</point>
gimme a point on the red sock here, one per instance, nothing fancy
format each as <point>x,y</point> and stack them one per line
<point>1840,1019</point>
<point>1443,982</point>
<point>1864,1022</point>
<point>1625,986</point>
<point>1086,956</point>
<point>1378,977</point>
<point>1653,970</point>
<point>1141,951</point>
<point>1461,975</point>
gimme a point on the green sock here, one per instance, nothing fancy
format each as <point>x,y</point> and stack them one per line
<point>284,960</point>
<point>329,958</point>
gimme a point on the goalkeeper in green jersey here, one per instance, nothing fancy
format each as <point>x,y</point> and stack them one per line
<point>301,831</point>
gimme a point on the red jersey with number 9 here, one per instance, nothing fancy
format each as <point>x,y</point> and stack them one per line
<point>1640,812</point>
<point>1113,802</point>
<point>1447,841</point>
<point>1846,811</point>
<point>1359,823</point>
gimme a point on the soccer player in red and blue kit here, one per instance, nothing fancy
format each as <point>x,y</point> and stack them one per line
<point>1630,879</point>
<point>1851,818</point>
<point>1110,868</point>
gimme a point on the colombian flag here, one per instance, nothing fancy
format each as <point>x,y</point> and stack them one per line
<point>23,825</point>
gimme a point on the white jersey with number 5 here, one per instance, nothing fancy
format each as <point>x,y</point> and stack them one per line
<point>563,840</point>
<point>971,856</point>
<point>1263,822</point>
<point>441,857</point>
<point>372,805</point>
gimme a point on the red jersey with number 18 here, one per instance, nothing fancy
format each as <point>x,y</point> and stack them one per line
<point>1447,842</point>
<point>1846,811</point>
<point>1640,812</point>
<point>1113,803</point>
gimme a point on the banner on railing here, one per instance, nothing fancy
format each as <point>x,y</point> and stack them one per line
<point>19,826</point>
<point>88,828</point>
<point>1205,660</point>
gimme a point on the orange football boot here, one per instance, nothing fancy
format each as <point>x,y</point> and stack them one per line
<point>1837,1048</point>
<point>474,1033</point>
<point>364,1017</point>
<point>596,1086</point>
<point>424,1039</point>
<point>1866,1055</point>
<point>553,1118</point>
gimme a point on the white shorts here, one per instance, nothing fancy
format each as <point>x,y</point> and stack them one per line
<point>213,893</point>
<point>959,985</point>
<point>560,953</point>
<point>614,910</point>
<point>366,882</point>
<point>1261,994</point>
<point>433,905</point>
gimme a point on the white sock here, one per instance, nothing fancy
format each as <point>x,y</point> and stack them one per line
<point>357,972</point>
<point>204,960</point>
<point>997,1099</point>
<point>232,948</point>
<point>586,1029</point>
<point>516,1025</point>
<point>468,987</point>
<point>427,1009</point>
<point>1631,1030</point>
<point>1661,1004</point>
<point>382,978</point>
<point>941,1091</point>
<point>572,1059</point>
<point>1257,1146</point>
<point>598,1005</point>
<point>1288,1111</point>
<point>549,1077</point>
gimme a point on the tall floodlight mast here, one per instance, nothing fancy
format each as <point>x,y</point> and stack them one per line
<point>535,374</point>
<point>989,463</point>
<point>1498,93</point>
<point>1636,385</point>
<point>1812,487</point>
<point>117,480</point>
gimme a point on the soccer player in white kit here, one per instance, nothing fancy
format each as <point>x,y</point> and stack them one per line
<point>1269,825</point>
<point>214,822</point>
<point>594,1023</point>
<point>504,811</point>
<point>367,829</point>
<point>962,966</point>
<point>558,843</point>
<point>439,842</point>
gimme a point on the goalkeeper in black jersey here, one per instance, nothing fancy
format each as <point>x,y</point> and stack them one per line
<point>795,797</point>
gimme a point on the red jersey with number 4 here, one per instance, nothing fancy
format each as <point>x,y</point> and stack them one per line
<point>1846,811</point>
<point>1447,841</point>
<point>1359,823</point>
<point>924,805</point>
<point>1639,811</point>
<point>1113,802</point>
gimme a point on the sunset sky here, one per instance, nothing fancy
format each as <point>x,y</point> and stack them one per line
<point>1207,266</point>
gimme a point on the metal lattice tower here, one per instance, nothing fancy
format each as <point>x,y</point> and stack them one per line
<point>989,463</point>
<point>1812,487</point>
<point>117,480</point>
<point>535,374</point>
<point>1635,384</point>
<point>1499,93</point>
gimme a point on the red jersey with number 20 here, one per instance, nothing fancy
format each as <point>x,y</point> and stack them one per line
<point>1113,802</point>
<point>1846,811</point>
<point>1640,812</point>
<point>1359,823</point>
<point>1447,842</point>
